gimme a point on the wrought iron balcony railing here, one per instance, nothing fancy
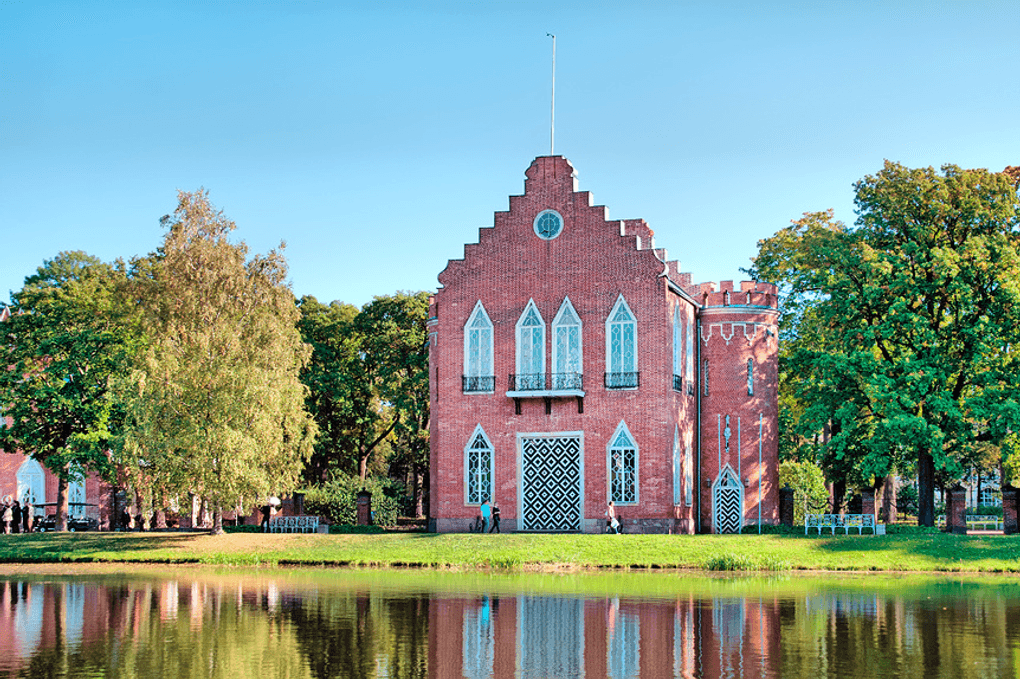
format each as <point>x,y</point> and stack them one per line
<point>479,383</point>
<point>542,382</point>
<point>622,380</point>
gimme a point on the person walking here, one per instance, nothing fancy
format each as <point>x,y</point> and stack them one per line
<point>266,510</point>
<point>495,519</point>
<point>612,523</point>
<point>26,516</point>
<point>486,515</point>
<point>16,517</point>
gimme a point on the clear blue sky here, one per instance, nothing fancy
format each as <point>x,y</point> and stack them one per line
<point>376,138</point>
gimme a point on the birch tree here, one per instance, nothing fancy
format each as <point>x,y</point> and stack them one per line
<point>217,407</point>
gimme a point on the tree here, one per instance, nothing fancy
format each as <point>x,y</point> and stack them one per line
<point>904,329</point>
<point>394,328</point>
<point>368,382</point>
<point>217,407</point>
<point>65,340</point>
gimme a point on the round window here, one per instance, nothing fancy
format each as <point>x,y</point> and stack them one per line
<point>548,224</point>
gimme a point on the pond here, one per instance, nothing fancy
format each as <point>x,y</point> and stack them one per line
<point>192,622</point>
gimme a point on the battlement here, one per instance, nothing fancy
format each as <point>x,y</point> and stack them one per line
<point>751,293</point>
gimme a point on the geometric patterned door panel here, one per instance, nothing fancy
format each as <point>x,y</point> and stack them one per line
<point>727,502</point>
<point>551,484</point>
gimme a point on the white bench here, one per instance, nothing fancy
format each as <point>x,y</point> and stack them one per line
<point>294,524</point>
<point>975,520</point>
<point>844,521</point>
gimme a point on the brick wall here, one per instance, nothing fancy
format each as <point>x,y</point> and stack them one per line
<point>592,262</point>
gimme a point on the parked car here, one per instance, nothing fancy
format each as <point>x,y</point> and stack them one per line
<point>74,523</point>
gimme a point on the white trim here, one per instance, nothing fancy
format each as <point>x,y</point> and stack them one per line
<point>479,310</point>
<point>534,224</point>
<point>610,447</point>
<point>556,325</point>
<point>517,332</point>
<point>31,477</point>
<point>678,467</point>
<point>520,470</point>
<point>467,471</point>
<point>678,358</point>
<point>727,472</point>
<point>633,368</point>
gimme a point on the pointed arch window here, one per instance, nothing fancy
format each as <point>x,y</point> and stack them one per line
<point>621,347</point>
<point>568,365</point>
<point>623,466</point>
<point>479,376</point>
<point>750,377</point>
<point>678,468</point>
<point>689,356</point>
<point>530,350</point>
<point>478,468</point>
<point>678,380</point>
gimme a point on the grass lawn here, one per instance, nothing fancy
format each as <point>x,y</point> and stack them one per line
<point>919,553</point>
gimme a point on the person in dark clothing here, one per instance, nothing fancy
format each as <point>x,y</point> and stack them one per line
<point>495,519</point>
<point>16,522</point>
<point>266,510</point>
<point>26,516</point>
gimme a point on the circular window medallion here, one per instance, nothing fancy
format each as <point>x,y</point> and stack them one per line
<point>548,224</point>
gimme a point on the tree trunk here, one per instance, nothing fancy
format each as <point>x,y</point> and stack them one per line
<point>889,499</point>
<point>63,489</point>
<point>363,465</point>
<point>838,496</point>
<point>419,501</point>
<point>217,528</point>
<point>925,488</point>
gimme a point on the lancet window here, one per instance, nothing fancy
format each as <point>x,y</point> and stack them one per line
<point>478,371</point>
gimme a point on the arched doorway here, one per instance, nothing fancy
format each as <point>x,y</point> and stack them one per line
<point>727,502</point>
<point>31,483</point>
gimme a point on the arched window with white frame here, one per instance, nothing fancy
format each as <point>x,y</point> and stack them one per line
<point>678,380</point>
<point>678,469</point>
<point>530,350</point>
<point>479,468</point>
<point>479,376</point>
<point>621,347</point>
<point>568,354</point>
<point>689,356</point>
<point>622,455</point>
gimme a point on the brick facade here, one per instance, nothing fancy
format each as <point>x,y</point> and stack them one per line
<point>543,426</point>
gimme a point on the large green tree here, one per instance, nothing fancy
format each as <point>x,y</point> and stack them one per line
<point>217,409</point>
<point>903,330</point>
<point>394,328</point>
<point>66,339</point>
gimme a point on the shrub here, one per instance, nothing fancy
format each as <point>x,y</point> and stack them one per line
<point>336,499</point>
<point>242,529</point>
<point>906,500</point>
<point>907,529</point>
<point>768,529</point>
<point>985,510</point>
<point>809,493</point>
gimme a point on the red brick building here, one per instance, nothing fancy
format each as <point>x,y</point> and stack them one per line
<point>572,364</point>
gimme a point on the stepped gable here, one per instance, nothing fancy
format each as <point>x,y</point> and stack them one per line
<point>551,183</point>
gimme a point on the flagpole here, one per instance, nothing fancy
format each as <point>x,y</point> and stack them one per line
<point>552,115</point>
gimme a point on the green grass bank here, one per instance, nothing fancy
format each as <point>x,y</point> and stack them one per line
<point>911,553</point>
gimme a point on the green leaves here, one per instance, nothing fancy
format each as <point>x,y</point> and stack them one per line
<point>900,331</point>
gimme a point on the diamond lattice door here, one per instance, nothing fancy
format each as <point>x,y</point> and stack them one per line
<point>551,483</point>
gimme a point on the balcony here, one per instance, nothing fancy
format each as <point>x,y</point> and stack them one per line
<point>622,380</point>
<point>542,384</point>
<point>546,386</point>
<point>478,384</point>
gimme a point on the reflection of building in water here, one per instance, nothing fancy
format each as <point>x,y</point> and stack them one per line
<point>533,636</point>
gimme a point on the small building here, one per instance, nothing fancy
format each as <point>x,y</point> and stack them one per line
<point>572,365</point>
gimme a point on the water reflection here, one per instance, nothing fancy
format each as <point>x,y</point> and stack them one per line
<point>346,624</point>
